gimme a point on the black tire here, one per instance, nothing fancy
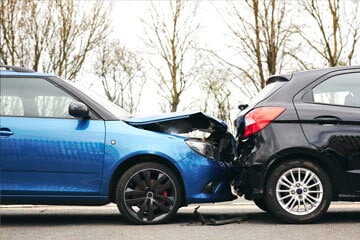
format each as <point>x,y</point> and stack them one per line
<point>260,203</point>
<point>148,193</point>
<point>302,195</point>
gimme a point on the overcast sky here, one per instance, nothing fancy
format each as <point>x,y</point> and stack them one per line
<point>127,15</point>
<point>128,28</point>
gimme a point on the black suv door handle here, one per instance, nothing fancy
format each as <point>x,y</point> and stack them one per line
<point>5,132</point>
<point>327,120</point>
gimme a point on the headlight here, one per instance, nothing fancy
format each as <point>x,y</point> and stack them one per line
<point>203,148</point>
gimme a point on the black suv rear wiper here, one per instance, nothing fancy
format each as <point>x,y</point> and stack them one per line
<point>243,106</point>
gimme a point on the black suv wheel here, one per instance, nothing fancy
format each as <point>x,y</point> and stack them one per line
<point>298,191</point>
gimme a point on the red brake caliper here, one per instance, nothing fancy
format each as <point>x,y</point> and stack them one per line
<point>165,194</point>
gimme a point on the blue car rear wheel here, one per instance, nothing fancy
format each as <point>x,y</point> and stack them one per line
<point>148,193</point>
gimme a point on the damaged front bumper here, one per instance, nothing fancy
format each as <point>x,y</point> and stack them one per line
<point>206,180</point>
<point>206,169</point>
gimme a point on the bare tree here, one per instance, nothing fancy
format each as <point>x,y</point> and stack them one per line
<point>52,36</point>
<point>261,34</point>
<point>24,32</point>
<point>217,88</point>
<point>335,40</point>
<point>121,75</point>
<point>8,28</point>
<point>78,33</point>
<point>171,33</point>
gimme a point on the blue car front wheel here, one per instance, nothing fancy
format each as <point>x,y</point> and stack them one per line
<point>148,193</point>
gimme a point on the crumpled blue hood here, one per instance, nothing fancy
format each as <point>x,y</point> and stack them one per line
<point>179,122</point>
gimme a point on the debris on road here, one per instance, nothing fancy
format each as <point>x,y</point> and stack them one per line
<point>221,221</point>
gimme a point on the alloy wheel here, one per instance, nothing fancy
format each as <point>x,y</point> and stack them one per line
<point>299,191</point>
<point>150,195</point>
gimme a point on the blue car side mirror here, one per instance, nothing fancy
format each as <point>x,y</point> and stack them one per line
<point>78,110</point>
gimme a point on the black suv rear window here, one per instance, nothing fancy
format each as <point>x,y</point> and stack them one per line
<point>266,92</point>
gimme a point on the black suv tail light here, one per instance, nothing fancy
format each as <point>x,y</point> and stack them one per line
<point>259,118</point>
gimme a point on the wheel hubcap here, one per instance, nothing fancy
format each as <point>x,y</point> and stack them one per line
<point>299,191</point>
<point>150,195</point>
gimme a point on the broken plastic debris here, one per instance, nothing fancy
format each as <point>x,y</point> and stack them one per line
<point>214,222</point>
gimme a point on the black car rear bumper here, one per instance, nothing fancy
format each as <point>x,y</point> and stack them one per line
<point>248,180</point>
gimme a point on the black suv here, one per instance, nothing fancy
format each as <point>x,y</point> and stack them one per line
<point>298,143</point>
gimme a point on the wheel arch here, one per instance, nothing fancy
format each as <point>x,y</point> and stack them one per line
<point>330,166</point>
<point>132,161</point>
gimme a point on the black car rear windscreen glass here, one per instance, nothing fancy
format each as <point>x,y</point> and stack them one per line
<point>267,91</point>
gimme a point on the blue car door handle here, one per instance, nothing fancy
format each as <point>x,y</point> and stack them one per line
<point>5,132</point>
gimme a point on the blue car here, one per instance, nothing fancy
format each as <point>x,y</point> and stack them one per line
<point>62,145</point>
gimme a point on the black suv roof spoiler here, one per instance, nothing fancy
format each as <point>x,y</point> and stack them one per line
<point>279,78</point>
<point>15,68</point>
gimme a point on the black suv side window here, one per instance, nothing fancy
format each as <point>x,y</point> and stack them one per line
<point>33,97</point>
<point>343,90</point>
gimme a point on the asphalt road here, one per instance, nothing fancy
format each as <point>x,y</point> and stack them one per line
<point>71,222</point>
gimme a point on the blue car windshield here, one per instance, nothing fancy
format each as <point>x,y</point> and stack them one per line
<point>119,112</point>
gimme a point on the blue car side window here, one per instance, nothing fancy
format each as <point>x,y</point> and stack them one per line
<point>33,97</point>
<point>11,106</point>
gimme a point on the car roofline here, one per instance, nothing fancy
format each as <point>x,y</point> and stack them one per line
<point>8,70</point>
